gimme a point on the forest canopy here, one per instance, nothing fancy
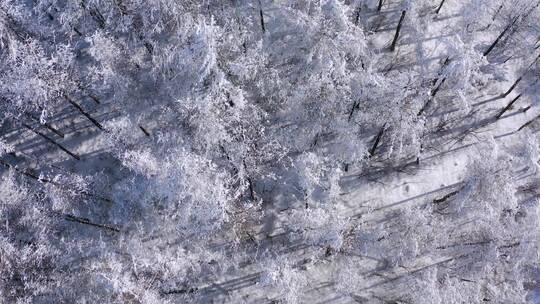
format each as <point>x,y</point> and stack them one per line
<point>269,151</point>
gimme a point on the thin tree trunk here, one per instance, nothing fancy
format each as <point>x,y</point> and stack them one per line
<point>528,13</point>
<point>432,94</point>
<point>250,183</point>
<point>445,63</point>
<point>355,104</point>
<point>494,16</point>
<point>48,181</point>
<point>396,35</point>
<point>25,173</point>
<point>425,106</point>
<point>508,106</point>
<point>376,142</point>
<point>528,123</point>
<point>434,91</point>
<point>46,125</point>
<point>520,78</point>
<point>508,59</point>
<point>36,119</point>
<point>440,6</point>
<point>77,31</point>
<point>261,15</point>
<point>98,17</point>
<point>94,98</point>
<point>492,46</point>
<point>537,43</point>
<point>180,291</point>
<point>78,107</point>
<point>379,7</point>
<point>85,221</point>
<point>251,191</point>
<point>144,130</point>
<point>466,244</point>
<point>534,62</point>
<point>52,141</point>
<point>512,87</point>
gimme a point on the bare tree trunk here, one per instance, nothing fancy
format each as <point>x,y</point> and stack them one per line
<point>261,15</point>
<point>396,35</point>
<point>440,6</point>
<point>144,130</point>
<point>48,181</point>
<point>508,106</point>
<point>528,13</point>
<point>25,173</point>
<point>445,63</point>
<point>180,291</point>
<point>46,125</point>
<point>434,91</point>
<point>512,87</point>
<point>376,142</point>
<point>52,141</point>
<point>494,16</point>
<point>465,244</point>
<point>520,78</point>
<point>379,7</point>
<point>85,221</point>
<point>528,123</point>
<point>97,16</point>
<point>432,94</point>
<point>492,46</point>
<point>446,197</point>
<point>355,104</point>
<point>76,30</point>
<point>534,62</point>
<point>78,107</point>
<point>251,191</point>
<point>425,106</point>
<point>94,98</point>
